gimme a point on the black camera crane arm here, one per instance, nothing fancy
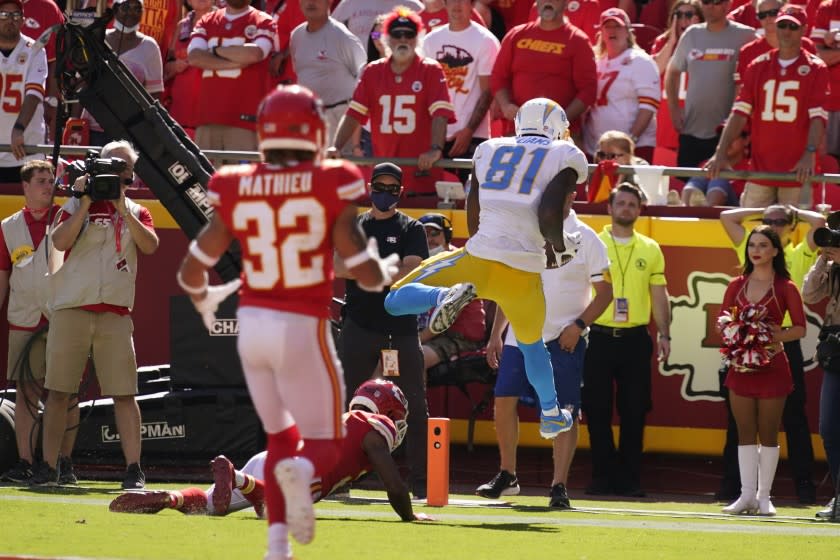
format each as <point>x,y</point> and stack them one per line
<point>172,165</point>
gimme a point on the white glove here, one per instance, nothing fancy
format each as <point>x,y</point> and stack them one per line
<point>389,266</point>
<point>215,295</point>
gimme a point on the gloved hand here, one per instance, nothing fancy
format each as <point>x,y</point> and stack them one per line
<point>389,267</point>
<point>572,242</point>
<point>215,295</point>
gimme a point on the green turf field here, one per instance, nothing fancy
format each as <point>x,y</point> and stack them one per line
<point>75,522</point>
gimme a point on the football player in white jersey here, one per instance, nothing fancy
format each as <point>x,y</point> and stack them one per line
<point>522,189</point>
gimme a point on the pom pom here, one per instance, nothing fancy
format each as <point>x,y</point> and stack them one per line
<point>747,337</point>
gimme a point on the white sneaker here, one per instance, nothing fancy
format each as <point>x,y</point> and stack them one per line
<point>294,475</point>
<point>457,298</point>
<point>828,512</point>
<point>743,505</point>
<point>766,507</point>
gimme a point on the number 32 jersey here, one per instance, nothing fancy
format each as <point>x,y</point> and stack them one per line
<point>512,174</point>
<point>283,218</point>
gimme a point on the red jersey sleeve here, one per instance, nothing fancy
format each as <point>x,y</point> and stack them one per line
<point>584,68</point>
<point>746,97</point>
<point>500,77</point>
<point>360,105</point>
<point>793,301</point>
<point>731,292</point>
<point>145,218</point>
<point>818,94</point>
<point>350,183</point>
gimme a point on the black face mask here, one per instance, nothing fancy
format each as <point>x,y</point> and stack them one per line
<point>384,201</point>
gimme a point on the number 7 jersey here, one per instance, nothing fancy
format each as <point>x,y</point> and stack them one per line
<point>284,218</point>
<point>512,174</point>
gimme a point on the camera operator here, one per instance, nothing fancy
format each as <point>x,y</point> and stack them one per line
<point>823,281</point>
<point>92,297</point>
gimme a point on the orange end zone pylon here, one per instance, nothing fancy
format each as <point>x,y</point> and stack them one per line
<point>437,488</point>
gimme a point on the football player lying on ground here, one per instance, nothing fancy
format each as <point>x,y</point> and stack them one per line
<point>375,424</point>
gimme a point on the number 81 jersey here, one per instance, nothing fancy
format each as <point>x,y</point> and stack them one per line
<point>512,174</point>
<point>283,218</point>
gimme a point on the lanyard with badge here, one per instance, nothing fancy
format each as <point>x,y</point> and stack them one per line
<point>390,360</point>
<point>621,307</point>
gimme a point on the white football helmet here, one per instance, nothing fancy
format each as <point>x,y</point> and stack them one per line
<point>543,117</point>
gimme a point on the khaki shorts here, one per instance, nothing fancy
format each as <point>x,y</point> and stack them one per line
<point>75,333</point>
<point>762,196</point>
<point>229,138</point>
<point>37,355</point>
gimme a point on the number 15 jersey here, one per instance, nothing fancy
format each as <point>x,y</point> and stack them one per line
<point>512,174</point>
<point>283,218</point>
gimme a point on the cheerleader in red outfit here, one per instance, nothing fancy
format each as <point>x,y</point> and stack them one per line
<point>759,380</point>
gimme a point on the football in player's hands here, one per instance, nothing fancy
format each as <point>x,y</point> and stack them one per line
<point>207,306</point>
<point>389,267</point>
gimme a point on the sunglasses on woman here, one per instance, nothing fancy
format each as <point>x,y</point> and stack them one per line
<point>683,15</point>
<point>608,155</point>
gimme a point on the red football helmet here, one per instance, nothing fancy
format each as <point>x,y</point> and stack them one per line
<point>384,397</point>
<point>291,118</point>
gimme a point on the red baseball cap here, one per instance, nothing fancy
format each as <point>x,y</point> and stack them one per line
<point>18,3</point>
<point>617,15</point>
<point>794,13</point>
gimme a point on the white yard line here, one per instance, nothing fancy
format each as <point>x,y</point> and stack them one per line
<point>781,525</point>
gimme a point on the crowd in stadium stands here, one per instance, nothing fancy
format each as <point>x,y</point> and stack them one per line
<point>641,69</point>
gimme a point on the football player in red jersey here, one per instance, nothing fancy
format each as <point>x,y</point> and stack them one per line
<point>407,102</point>
<point>783,98</point>
<point>376,425</point>
<point>289,213</point>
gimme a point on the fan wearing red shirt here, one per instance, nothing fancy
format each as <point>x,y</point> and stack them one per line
<point>231,45</point>
<point>548,58</point>
<point>783,98</point>
<point>407,102</point>
<point>767,12</point>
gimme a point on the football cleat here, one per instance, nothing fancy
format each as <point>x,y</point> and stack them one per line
<point>294,475</point>
<point>447,311</point>
<point>141,502</point>
<point>222,484</point>
<point>552,426</point>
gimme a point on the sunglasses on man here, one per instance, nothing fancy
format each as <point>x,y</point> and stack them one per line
<point>784,24</point>
<point>402,34</point>
<point>382,187</point>
<point>767,13</point>
<point>16,16</point>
